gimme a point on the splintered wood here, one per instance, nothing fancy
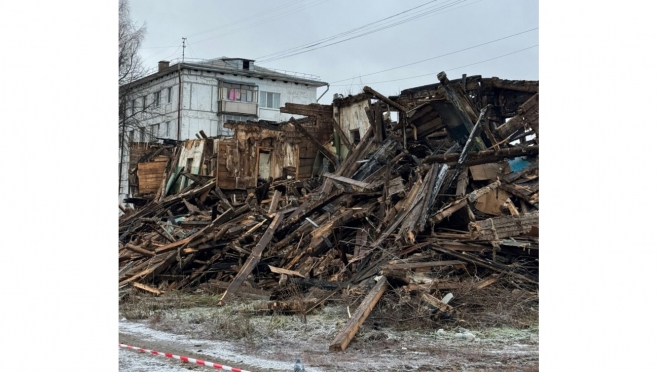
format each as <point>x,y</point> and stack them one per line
<point>446,194</point>
<point>342,340</point>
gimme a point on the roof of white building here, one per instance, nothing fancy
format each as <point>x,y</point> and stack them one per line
<point>234,66</point>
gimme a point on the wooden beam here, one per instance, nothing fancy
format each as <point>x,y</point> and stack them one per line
<point>313,109</point>
<point>274,204</point>
<point>342,135</point>
<point>483,157</point>
<point>224,217</point>
<point>460,203</point>
<point>342,340</point>
<point>421,265</point>
<point>347,180</point>
<point>491,280</point>
<point>147,288</point>
<point>386,100</point>
<point>285,272</point>
<point>437,303</point>
<point>253,259</point>
<point>503,227</point>
<point>527,115</point>
<point>139,250</point>
<point>319,146</point>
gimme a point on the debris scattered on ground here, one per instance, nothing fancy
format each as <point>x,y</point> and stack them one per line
<point>445,195</point>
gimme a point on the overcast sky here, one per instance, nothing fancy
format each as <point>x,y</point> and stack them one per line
<point>255,29</point>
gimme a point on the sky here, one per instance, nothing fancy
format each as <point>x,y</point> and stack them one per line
<point>441,28</point>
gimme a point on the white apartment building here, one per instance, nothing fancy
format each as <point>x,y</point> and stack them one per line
<point>178,101</point>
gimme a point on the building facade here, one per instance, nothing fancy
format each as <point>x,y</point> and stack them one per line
<point>180,100</point>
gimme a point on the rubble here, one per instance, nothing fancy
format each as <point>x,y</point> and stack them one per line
<point>448,191</point>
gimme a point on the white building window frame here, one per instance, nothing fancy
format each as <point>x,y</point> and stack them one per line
<point>270,100</point>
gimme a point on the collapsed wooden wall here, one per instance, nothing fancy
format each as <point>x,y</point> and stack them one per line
<point>290,154</point>
<point>138,151</point>
<point>151,174</point>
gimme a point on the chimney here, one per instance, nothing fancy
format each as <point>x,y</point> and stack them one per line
<point>162,65</point>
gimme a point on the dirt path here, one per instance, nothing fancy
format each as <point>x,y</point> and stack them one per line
<point>275,342</point>
<point>137,334</point>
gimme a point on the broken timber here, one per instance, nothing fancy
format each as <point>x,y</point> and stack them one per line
<point>253,259</point>
<point>342,340</point>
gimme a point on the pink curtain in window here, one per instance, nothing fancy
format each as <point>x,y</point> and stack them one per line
<point>232,94</point>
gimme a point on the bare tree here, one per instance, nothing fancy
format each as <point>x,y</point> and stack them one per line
<point>131,66</point>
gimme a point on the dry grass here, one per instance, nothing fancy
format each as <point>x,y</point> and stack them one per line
<point>139,305</point>
<point>498,305</point>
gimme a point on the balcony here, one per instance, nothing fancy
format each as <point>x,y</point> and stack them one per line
<point>238,107</point>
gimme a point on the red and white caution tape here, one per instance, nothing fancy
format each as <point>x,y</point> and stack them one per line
<point>184,359</point>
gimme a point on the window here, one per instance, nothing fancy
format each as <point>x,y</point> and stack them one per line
<point>133,106</point>
<point>235,118</point>
<point>269,100</point>
<point>355,136</point>
<point>169,95</point>
<point>131,136</point>
<point>156,99</point>
<point>144,103</point>
<point>167,128</point>
<point>154,131</point>
<point>142,135</point>
<point>238,92</point>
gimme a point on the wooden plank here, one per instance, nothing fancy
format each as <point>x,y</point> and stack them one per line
<point>482,157</point>
<point>502,227</point>
<point>224,217</point>
<point>156,269</point>
<point>487,282</point>
<point>512,177</point>
<point>462,246</point>
<point>275,202</point>
<point>527,115</point>
<point>342,135</point>
<point>485,172</point>
<point>253,259</point>
<point>421,265</point>
<point>342,340</point>
<point>386,100</point>
<point>347,180</point>
<point>139,250</point>
<point>285,272</point>
<point>307,110</point>
<point>460,203</point>
<point>437,303</point>
<point>491,202</point>
<point>147,288</point>
<point>463,181</point>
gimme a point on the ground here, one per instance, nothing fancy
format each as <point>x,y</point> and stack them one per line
<point>239,337</point>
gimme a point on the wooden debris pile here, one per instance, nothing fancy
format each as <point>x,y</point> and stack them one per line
<point>447,192</point>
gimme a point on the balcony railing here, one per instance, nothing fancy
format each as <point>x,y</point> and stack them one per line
<point>238,107</point>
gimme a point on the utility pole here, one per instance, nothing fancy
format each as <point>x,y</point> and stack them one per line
<point>180,94</point>
<point>184,39</point>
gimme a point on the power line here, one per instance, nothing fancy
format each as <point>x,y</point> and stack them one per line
<point>423,14</point>
<point>262,21</point>
<point>315,45</point>
<point>435,73</point>
<point>247,19</point>
<point>228,24</point>
<point>236,22</point>
<point>443,55</point>
<point>343,33</point>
